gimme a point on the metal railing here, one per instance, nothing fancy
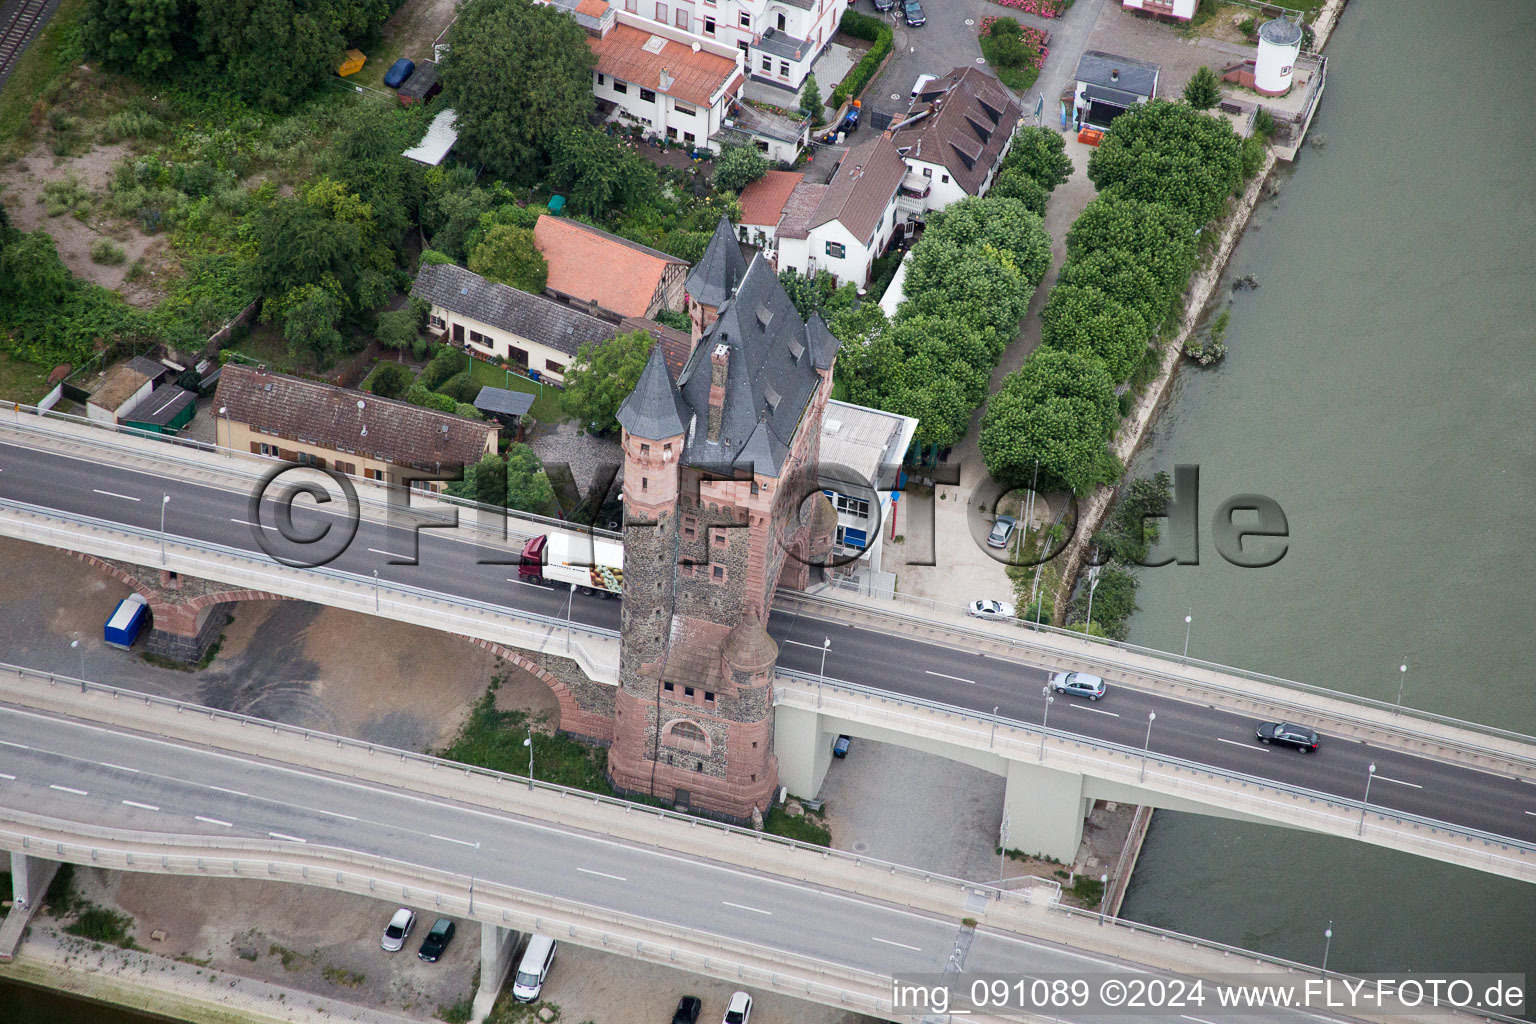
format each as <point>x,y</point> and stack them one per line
<point>1022,642</point>
<point>986,721</point>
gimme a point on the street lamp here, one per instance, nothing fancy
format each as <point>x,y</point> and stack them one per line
<point>375,590</point>
<point>1146,749</point>
<point>229,442</point>
<point>76,644</point>
<point>569,600</point>
<point>1103,897</point>
<point>1367,801</point>
<point>1402,677</point>
<point>1327,941</point>
<point>1045,692</point>
<point>826,645</point>
<point>1188,622</point>
<point>993,740</point>
<point>529,744</point>
<point>165,499</point>
<point>1093,584</point>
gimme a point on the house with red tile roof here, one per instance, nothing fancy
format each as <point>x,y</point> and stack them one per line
<point>606,275</point>
<point>854,217</point>
<point>763,203</point>
<point>670,82</point>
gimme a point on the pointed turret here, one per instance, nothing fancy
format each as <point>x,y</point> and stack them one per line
<point>715,277</point>
<point>653,410</point>
<point>823,343</point>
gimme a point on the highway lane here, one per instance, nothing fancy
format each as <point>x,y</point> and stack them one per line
<point>449,562</point>
<point>83,773</point>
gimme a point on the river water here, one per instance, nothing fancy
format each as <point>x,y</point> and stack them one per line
<point>1379,386</point>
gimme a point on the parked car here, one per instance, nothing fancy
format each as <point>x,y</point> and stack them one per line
<point>538,958</point>
<point>884,5</point>
<point>1002,531</point>
<point>688,1009</point>
<point>1298,736</point>
<point>1079,684</point>
<point>437,940</point>
<point>990,609</point>
<point>398,929</point>
<point>740,1010</point>
<point>840,748</point>
<point>398,72</point>
<point>914,13</point>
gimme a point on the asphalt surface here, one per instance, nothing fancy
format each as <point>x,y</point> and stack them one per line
<point>448,562</point>
<point>56,767</point>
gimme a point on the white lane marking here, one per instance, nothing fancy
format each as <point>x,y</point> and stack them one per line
<point>1531,813</point>
<point>142,807</point>
<point>738,906</point>
<point>450,839</point>
<point>242,522</point>
<point>1529,782</point>
<point>797,643</point>
<point>1246,746</point>
<point>536,586</point>
<point>958,679</point>
<point>902,945</point>
<point>1097,711</point>
<point>13,779</point>
<point>1197,1020</point>
<point>114,494</point>
<point>121,768</point>
<point>18,746</point>
<point>601,874</point>
<point>391,554</point>
<point>231,792</point>
<point>70,789</point>
<point>1400,782</point>
<point>338,814</point>
<point>214,821</point>
<point>291,839</point>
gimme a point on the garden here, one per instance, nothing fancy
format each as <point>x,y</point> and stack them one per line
<point>1016,52</point>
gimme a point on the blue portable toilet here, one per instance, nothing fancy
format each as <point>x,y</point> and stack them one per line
<point>122,629</point>
<point>398,72</point>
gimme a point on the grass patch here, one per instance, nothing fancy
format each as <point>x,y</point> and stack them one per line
<point>51,55</point>
<point>1012,53</point>
<point>292,961</point>
<point>458,1013</point>
<point>802,829</point>
<point>341,976</point>
<point>546,402</point>
<point>102,925</point>
<point>21,381</point>
<point>493,739</point>
<point>1088,890</point>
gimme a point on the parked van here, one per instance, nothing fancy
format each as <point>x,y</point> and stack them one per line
<point>538,958</point>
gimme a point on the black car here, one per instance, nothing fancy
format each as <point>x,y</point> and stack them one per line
<point>1300,737</point>
<point>436,941</point>
<point>913,12</point>
<point>688,1009</point>
<point>884,5</point>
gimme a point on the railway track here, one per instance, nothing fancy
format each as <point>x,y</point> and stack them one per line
<point>26,19</point>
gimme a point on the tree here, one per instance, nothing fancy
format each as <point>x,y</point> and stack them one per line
<point>461,387</point>
<point>391,380</point>
<point>1169,152</point>
<point>31,272</point>
<point>674,318</point>
<point>600,175</point>
<point>397,330</point>
<point>1081,318</point>
<point>810,100</point>
<point>133,35</point>
<point>1012,183</point>
<point>1041,154</point>
<point>418,395</point>
<point>367,157</point>
<point>1059,410</point>
<point>272,51</point>
<point>602,376</point>
<point>485,482</point>
<point>999,221</point>
<point>1158,236</point>
<point>509,255</point>
<point>528,489</point>
<point>310,313</point>
<point>737,167</point>
<point>1122,276</point>
<point>518,76</point>
<point>1203,90</point>
<point>447,363</point>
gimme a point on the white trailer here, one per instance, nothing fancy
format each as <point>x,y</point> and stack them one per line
<point>593,564</point>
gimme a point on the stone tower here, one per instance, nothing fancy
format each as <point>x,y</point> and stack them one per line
<point>719,467</point>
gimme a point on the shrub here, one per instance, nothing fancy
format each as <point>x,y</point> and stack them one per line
<point>391,380</point>
<point>104,252</point>
<point>1203,90</point>
<point>865,69</point>
<point>738,167</point>
<point>461,387</point>
<point>448,362</point>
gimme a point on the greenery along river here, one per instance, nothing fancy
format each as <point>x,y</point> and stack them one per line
<point>1380,388</point>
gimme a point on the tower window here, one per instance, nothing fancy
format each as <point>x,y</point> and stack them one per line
<point>668,687</point>
<point>645,449</point>
<point>645,483</point>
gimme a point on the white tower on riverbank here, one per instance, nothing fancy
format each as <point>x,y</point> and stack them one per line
<point>1279,45</point>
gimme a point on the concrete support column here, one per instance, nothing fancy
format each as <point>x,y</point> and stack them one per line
<point>497,945</point>
<point>1045,809</point>
<point>30,877</point>
<point>804,749</point>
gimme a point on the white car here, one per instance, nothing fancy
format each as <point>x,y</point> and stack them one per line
<point>740,1010</point>
<point>990,609</point>
<point>399,928</point>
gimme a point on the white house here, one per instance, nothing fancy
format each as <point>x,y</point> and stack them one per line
<point>675,84</point>
<point>1181,9</point>
<point>1108,85</point>
<point>854,216</point>
<point>954,138</point>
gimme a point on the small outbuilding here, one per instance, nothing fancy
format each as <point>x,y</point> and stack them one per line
<point>504,406</point>
<point>1108,85</point>
<point>441,135</point>
<point>422,86</point>
<point>167,409</point>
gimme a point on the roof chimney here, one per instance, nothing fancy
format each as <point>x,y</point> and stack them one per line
<point>1114,74</point>
<point>665,80</point>
<point>719,366</point>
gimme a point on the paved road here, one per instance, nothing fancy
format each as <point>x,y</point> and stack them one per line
<point>1404,781</point>
<point>64,769</point>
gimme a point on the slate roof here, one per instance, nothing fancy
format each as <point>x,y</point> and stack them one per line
<point>696,77</point>
<point>503,402</point>
<point>968,125</point>
<point>800,208</point>
<point>1137,76</point>
<point>534,317</point>
<point>329,417</point>
<point>148,367</point>
<point>161,405</point>
<point>1114,97</point>
<point>590,264</point>
<point>653,409</point>
<point>720,269</point>
<point>764,200</point>
<point>860,191</point>
<point>421,81</point>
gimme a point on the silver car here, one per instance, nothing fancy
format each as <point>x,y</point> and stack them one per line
<point>1080,684</point>
<point>399,928</point>
<point>1002,531</point>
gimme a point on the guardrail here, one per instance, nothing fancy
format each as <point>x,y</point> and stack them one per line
<point>1171,672</point>
<point>987,726</point>
<point>1049,889</point>
<point>470,897</point>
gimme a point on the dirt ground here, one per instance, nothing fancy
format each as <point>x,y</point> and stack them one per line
<point>22,184</point>
<point>304,664</point>
<point>409,32</point>
<point>327,943</point>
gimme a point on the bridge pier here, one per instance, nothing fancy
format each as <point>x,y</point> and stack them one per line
<point>30,877</point>
<point>497,946</point>
<point>804,748</point>
<point>1044,809</point>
